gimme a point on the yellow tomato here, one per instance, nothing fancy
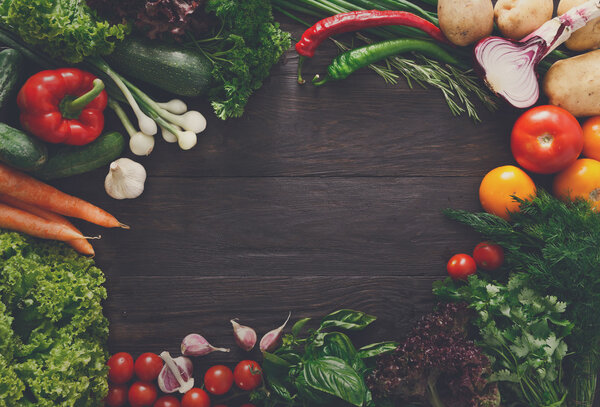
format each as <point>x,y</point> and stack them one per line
<point>591,138</point>
<point>580,180</point>
<point>498,186</point>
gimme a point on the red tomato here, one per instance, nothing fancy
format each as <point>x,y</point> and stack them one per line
<point>117,395</point>
<point>142,394</point>
<point>167,401</point>
<point>148,366</point>
<point>218,379</point>
<point>120,368</point>
<point>488,256</point>
<point>546,139</point>
<point>247,375</point>
<point>195,398</point>
<point>460,266</point>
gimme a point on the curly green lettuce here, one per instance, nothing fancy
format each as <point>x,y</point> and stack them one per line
<point>65,29</point>
<point>52,330</point>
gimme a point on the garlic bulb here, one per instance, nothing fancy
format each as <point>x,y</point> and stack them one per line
<point>125,180</point>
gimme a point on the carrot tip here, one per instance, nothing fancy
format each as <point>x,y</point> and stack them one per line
<point>124,226</point>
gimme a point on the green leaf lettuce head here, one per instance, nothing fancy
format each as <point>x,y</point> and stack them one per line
<point>64,29</point>
<point>252,44</point>
<point>52,330</point>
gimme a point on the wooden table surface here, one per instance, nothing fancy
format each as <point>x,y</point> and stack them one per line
<point>317,199</point>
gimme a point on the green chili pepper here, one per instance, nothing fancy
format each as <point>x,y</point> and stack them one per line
<point>348,62</point>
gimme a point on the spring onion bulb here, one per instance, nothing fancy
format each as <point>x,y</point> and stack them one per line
<point>508,67</point>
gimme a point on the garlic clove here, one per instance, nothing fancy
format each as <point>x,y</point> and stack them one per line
<point>245,336</point>
<point>176,374</point>
<point>125,179</point>
<point>141,143</point>
<point>271,340</point>
<point>197,345</point>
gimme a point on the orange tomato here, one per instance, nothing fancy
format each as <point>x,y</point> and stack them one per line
<point>580,180</point>
<point>591,138</point>
<point>498,186</point>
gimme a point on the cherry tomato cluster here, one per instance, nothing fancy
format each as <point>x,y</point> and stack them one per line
<point>218,381</point>
<point>143,392</point>
<point>486,256</point>
<point>547,140</point>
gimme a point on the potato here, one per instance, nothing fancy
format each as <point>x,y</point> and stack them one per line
<point>585,38</point>
<point>574,84</point>
<point>466,21</point>
<point>518,18</point>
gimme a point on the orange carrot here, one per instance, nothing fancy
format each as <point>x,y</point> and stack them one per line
<point>83,246</point>
<point>32,191</point>
<point>21,221</point>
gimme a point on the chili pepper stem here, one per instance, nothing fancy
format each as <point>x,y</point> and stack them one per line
<point>301,60</point>
<point>320,82</point>
<point>71,108</point>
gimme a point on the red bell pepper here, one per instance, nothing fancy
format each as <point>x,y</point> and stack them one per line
<point>63,106</point>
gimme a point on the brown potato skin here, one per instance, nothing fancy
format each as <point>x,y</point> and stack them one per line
<point>518,18</point>
<point>466,21</point>
<point>574,84</point>
<point>586,38</point>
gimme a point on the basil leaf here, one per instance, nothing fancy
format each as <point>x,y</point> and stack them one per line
<point>334,376</point>
<point>376,349</point>
<point>347,319</point>
<point>275,360</point>
<point>308,393</point>
<point>299,325</point>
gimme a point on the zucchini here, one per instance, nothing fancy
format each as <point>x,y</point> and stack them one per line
<point>66,161</point>
<point>173,68</point>
<point>20,150</point>
<point>11,67</point>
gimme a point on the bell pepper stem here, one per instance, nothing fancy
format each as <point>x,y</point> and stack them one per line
<point>300,63</point>
<point>74,107</point>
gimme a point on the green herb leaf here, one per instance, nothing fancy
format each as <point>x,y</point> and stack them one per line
<point>299,325</point>
<point>347,319</point>
<point>376,349</point>
<point>333,376</point>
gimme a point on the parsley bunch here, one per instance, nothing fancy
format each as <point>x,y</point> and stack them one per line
<point>521,331</point>
<point>246,48</point>
<point>556,247</point>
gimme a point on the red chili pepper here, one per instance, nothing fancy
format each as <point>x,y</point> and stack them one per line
<point>63,106</point>
<point>359,20</point>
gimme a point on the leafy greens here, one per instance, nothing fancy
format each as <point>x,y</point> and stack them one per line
<point>65,29</point>
<point>52,330</point>
<point>522,333</point>
<point>555,245</point>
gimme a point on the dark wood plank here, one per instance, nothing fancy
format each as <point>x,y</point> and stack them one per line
<point>284,226</point>
<point>155,313</point>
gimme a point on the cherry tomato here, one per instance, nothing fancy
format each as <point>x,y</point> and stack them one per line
<point>580,180</point>
<point>167,401</point>
<point>591,138</point>
<point>142,394</point>
<point>117,395</point>
<point>499,185</point>
<point>218,379</point>
<point>546,139</point>
<point>460,266</point>
<point>148,366</point>
<point>488,256</point>
<point>120,368</point>
<point>247,375</point>
<point>195,398</point>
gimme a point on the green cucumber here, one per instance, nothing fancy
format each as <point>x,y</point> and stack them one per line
<point>20,150</point>
<point>173,68</point>
<point>11,66</point>
<point>66,161</point>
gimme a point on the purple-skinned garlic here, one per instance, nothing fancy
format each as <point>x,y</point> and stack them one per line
<point>245,336</point>
<point>197,345</point>
<point>176,374</point>
<point>271,340</point>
